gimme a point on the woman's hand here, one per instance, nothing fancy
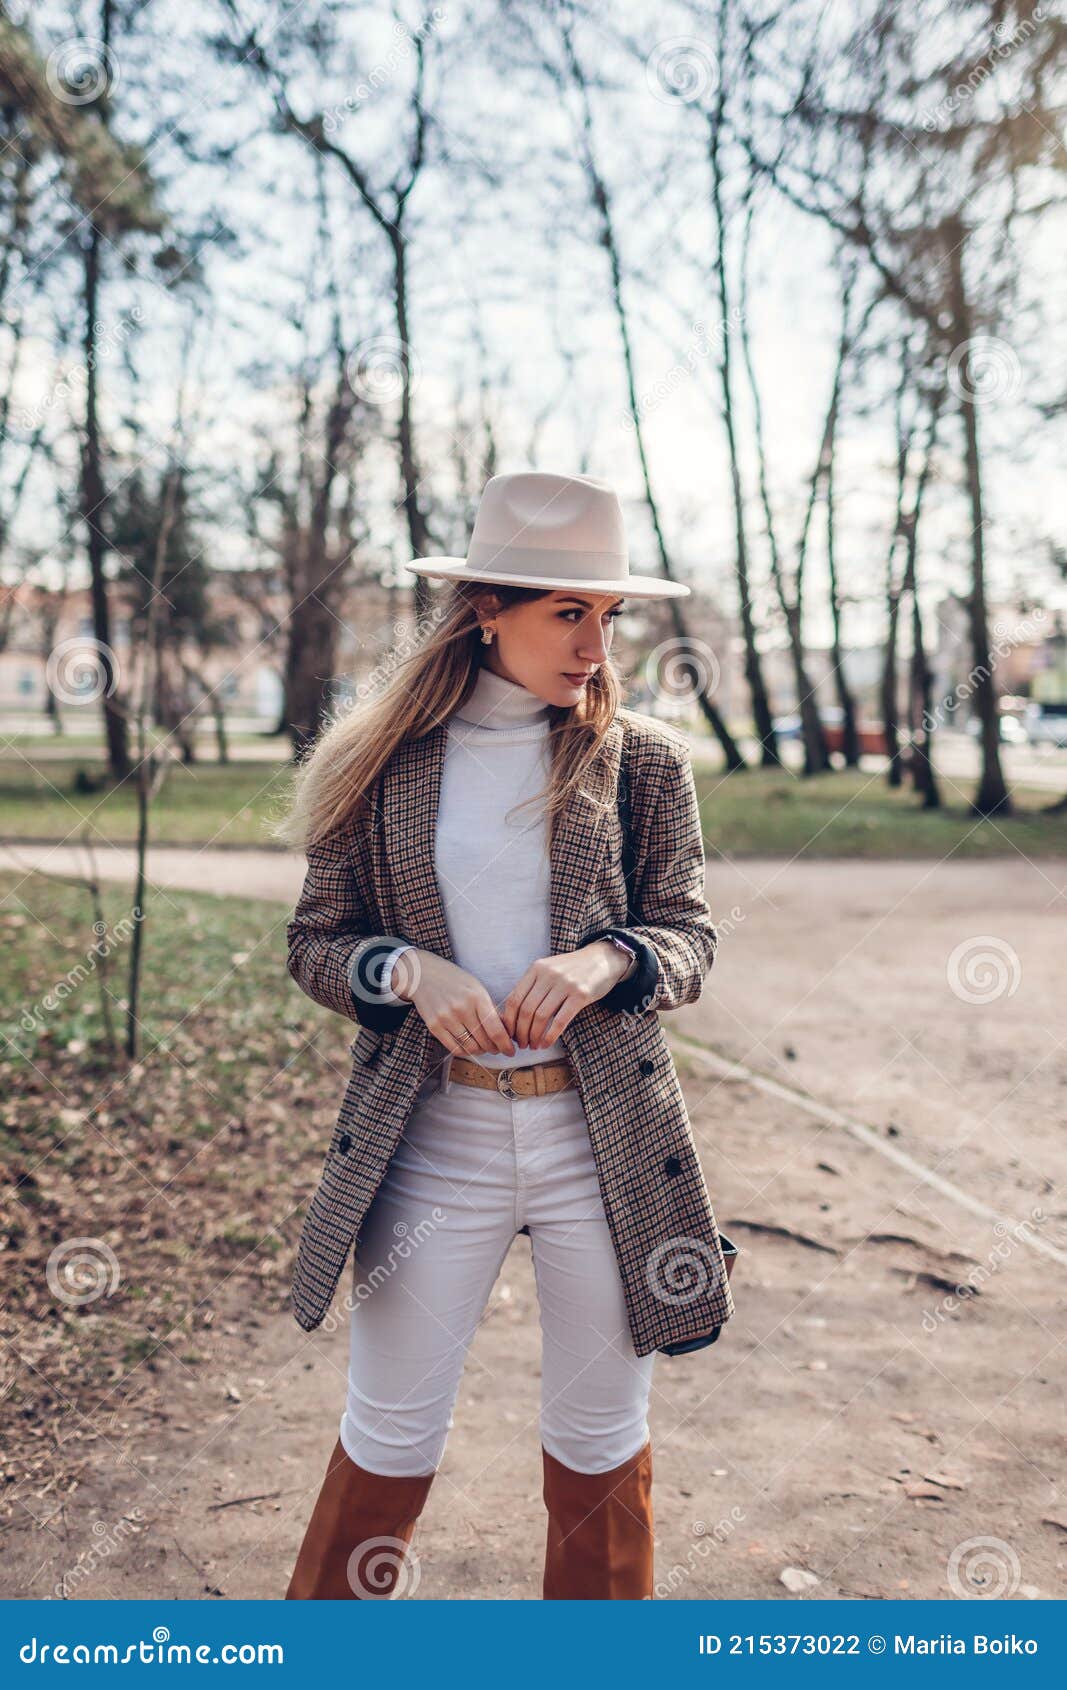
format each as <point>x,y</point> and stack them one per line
<point>552,991</point>
<point>454,1005</point>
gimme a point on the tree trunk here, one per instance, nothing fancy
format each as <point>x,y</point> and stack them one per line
<point>850,742</point>
<point>992,796</point>
<point>309,669</point>
<point>815,755</point>
<point>93,499</point>
<point>151,766</point>
<point>418,532</point>
<point>762,719</point>
<point>601,202</point>
<point>890,718</point>
<point>924,780</point>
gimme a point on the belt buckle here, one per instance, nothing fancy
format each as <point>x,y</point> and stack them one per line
<point>504,1074</point>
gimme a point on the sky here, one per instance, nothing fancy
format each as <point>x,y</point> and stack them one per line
<point>509,289</point>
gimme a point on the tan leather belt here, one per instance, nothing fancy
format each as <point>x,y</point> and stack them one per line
<point>534,1079</point>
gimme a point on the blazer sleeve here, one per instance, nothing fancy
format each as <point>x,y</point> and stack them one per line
<point>332,956</point>
<point>675,938</point>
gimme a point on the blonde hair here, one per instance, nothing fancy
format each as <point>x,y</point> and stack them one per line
<point>332,783</point>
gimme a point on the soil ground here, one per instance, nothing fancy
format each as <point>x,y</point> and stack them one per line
<point>862,1420</point>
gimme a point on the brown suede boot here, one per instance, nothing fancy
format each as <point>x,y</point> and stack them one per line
<point>356,1541</point>
<point>600,1531</point>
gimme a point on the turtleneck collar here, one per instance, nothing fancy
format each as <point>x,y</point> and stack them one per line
<point>498,703</point>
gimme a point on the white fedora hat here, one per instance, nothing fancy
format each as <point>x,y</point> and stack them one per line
<point>535,529</point>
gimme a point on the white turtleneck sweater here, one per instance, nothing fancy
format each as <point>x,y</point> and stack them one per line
<point>492,867</point>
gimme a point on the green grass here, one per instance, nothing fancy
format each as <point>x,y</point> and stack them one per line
<point>852,814</point>
<point>193,1167</point>
<point>221,804</point>
<point>758,813</point>
<point>90,739</point>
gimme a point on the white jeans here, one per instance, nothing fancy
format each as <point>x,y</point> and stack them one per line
<point>470,1169</point>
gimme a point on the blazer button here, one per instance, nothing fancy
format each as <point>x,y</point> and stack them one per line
<point>344,1144</point>
<point>672,1165</point>
<point>646,1067</point>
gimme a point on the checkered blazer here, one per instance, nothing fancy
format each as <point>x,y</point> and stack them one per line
<point>373,886</point>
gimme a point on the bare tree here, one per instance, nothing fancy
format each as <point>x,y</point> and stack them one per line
<point>849,338</point>
<point>924,780</point>
<point>921,388</point>
<point>790,592</point>
<point>314,496</point>
<point>715,122</point>
<point>571,73</point>
<point>388,208</point>
<point>903,82</point>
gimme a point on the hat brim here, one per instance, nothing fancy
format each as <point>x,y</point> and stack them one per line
<point>632,586</point>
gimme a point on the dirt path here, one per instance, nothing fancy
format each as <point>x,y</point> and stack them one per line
<point>227,873</point>
<point>858,1420</point>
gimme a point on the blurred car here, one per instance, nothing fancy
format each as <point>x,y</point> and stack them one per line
<point>870,735</point>
<point>787,727</point>
<point>1046,724</point>
<point>1012,731</point>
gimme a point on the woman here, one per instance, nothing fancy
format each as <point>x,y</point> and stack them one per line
<point>465,904</point>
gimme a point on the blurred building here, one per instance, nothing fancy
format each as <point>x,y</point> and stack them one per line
<point>1028,652</point>
<point>49,640</point>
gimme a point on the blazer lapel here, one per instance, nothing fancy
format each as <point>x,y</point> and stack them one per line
<point>581,844</point>
<point>410,800</point>
<point>411,791</point>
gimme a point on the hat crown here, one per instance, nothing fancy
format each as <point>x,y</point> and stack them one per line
<point>536,529</point>
<point>539,511</point>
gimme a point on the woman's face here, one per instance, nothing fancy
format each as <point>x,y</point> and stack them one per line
<point>553,644</point>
